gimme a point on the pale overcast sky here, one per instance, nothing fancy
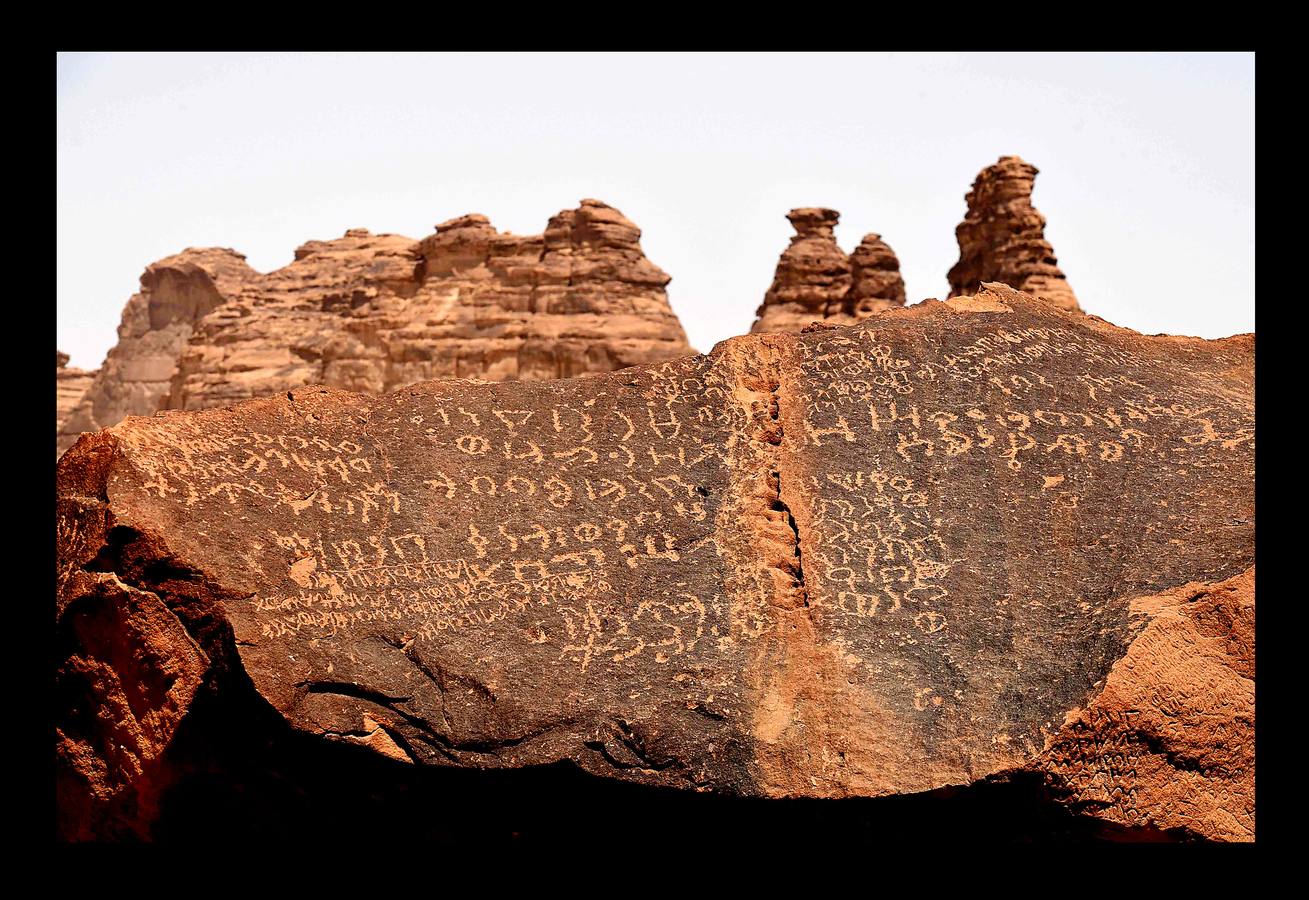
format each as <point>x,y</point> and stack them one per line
<point>1147,165</point>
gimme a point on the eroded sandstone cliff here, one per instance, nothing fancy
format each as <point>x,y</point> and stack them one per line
<point>371,312</point>
<point>375,312</point>
<point>176,293</point>
<point>956,543</point>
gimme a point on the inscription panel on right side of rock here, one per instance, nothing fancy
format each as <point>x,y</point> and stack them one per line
<point>980,493</point>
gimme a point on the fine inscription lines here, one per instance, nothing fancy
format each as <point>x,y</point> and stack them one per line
<point>572,596</point>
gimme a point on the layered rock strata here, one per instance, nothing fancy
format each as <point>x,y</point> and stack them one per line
<point>176,293</point>
<point>816,281</point>
<point>875,281</point>
<point>372,312</point>
<point>70,386</point>
<point>958,542</point>
<point>1002,238</point>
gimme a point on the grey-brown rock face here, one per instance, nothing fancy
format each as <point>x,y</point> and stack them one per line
<point>856,562</point>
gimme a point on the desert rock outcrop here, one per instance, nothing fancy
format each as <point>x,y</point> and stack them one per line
<point>176,293</point>
<point>816,281</point>
<point>70,386</point>
<point>883,559</point>
<point>1002,238</point>
<point>875,282</point>
<point>371,313</point>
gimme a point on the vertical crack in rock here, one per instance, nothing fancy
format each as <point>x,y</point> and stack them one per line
<point>790,672</point>
<point>775,436</point>
<point>758,375</point>
<point>780,506</point>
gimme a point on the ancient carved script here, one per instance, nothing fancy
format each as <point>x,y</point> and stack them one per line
<point>571,520</point>
<point>922,463</point>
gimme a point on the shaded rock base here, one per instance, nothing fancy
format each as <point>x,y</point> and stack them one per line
<point>237,772</point>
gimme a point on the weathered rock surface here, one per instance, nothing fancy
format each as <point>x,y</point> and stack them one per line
<point>375,312</point>
<point>1169,740</point>
<point>290,327</point>
<point>885,559</point>
<point>70,386</point>
<point>816,281</point>
<point>875,279</point>
<point>1002,238</point>
<point>372,312</point>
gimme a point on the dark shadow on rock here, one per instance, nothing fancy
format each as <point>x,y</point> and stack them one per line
<point>238,772</point>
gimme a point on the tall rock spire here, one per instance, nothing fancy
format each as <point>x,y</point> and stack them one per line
<point>877,284</point>
<point>1002,238</point>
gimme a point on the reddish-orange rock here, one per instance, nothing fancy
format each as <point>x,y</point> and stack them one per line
<point>1168,741</point>
<point>1002,238</point>
<point>372,313</point>
<point>905,556</point>
<point>816,281</point>
<point>376,312</point>
<point>310,321</point>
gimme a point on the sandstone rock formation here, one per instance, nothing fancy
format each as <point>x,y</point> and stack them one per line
<point>816,281</point>
<point>957,543</point>
<point>374,312</point>
<point>70,386</point>
<point>875,282</point>
<point>1002,238</point>
<point>176,293</point>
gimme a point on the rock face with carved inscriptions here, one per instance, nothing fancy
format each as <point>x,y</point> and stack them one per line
<point>816,281</point>
<point>897,557</point>
<point>1002,238</point>
<point>371,313</point>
